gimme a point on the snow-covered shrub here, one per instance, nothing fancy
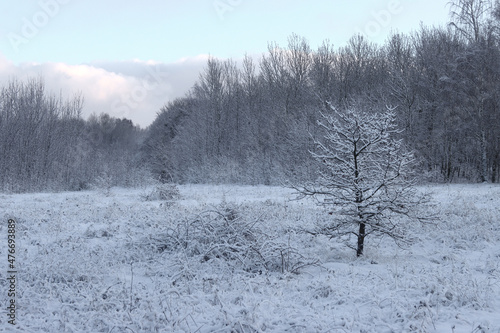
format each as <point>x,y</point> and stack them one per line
<point>103,183</point>
<point>230,235</point>
<point>164,192</point>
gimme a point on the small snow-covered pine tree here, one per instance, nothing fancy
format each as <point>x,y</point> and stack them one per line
<point>367,175</point>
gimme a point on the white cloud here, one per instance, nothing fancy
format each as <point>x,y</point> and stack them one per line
<point>132,89</point>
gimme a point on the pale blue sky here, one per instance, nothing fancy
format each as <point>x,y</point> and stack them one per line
<point>106,36</point>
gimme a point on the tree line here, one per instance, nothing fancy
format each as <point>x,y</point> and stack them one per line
<point>254,122</point>
<point>46,145</point>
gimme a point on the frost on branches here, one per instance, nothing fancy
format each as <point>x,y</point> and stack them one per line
<point>366,176</point>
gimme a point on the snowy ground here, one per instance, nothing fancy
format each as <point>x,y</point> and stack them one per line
<point>115,262</point>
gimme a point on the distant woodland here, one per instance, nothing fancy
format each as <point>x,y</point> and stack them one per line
<point>253,122</point>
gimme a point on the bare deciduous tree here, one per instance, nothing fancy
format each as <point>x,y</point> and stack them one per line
<point>367,176</point>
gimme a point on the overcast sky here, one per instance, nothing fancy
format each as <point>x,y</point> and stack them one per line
<point>130,57</point>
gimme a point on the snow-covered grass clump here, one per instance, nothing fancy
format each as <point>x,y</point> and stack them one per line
<point>236,259</point>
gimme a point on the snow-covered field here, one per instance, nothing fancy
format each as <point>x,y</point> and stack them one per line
<point>233,259</point>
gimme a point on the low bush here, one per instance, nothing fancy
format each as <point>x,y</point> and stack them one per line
<point>228,234</point>
<point>164,192</point>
